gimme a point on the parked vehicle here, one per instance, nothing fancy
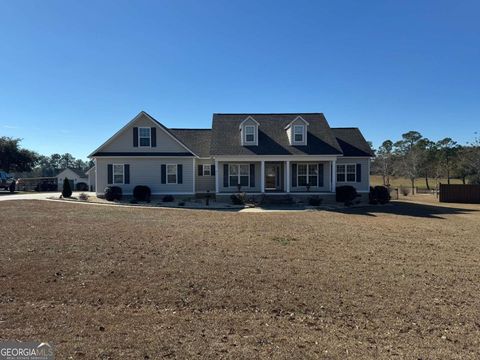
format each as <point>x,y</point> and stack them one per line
<point>6,181</point>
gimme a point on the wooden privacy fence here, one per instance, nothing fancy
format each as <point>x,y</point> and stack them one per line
<point>460,193</point>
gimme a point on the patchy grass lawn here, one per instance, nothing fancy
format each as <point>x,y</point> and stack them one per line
<point>399,281</point>
<point>420,183</point>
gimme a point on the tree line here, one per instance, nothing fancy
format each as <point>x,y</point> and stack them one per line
<point>415,157</point>
<point>27,163</point>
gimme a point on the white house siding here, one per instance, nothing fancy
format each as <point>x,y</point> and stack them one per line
<point>364,184</point>
<point>91,179</point>
<point>147,171</point>
<point>124,141</point>
<point>204,183</point>
<point>70,175</point>
<point>326,177</point>
<point>255,188</point>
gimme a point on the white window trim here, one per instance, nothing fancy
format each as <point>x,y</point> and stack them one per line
<point>209,166</point>
<point>254,134</point>
<point>123,174</point>
<point>167,173</point>
<point>307,175</point>
<point>303,134</point>
<point>345,172</point>
<point>144,137</point>
<point>238,175</point>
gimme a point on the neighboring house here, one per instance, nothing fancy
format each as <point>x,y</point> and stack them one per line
<point>75,176</point>
<point>91,178</point>
<point>289,154</point>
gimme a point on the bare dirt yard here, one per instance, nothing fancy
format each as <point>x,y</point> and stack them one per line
<point>399,281</point>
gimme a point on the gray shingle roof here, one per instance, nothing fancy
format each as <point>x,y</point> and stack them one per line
<point>272,136</point>
<point>198,140</point>
<point>352,142</point>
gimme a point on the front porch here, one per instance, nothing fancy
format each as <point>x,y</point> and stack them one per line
<point>276,176</point>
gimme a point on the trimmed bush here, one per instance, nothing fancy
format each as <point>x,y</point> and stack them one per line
<point>83,197</point>
<point>315,201</point>
<point>81,186</point>
<point>67,190</point>
<point>346,194</point>
<point>237,199</point>
<point>379,195</point>
<point>405,190</point>
<point>142,193</point>
<point>113,193</point>
<point>168,198</point>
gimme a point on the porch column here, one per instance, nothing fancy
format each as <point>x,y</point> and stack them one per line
<point>262,177</point>
<point>334,176</point>
<point>287,180</point>
<point>217,176</point>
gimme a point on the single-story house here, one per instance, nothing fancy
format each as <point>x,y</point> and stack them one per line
<point>91,178</point>
<point>75,176</point>
<point>259,154</point>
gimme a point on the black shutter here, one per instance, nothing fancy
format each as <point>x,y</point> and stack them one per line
<point>359,172</point>
<point>252,175</point>
<point>179,174</point>
<point>294,175</point>
<point>200,170</point>
<point>135,137</point>
<point>212,170</point>
<point>153,136</point>
<point>320,175</point>
<point>110,174</point>
<point>225,175</point>
<point>126,173</point>
<point>163,174</point>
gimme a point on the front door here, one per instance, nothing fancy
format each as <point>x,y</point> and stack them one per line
<point>271,176</point>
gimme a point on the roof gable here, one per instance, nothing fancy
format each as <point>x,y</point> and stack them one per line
<point>352,142</point>
<point>122,141</point>
<point>71,172</point>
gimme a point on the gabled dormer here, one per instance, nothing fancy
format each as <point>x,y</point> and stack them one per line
<point>249,132</point>
<point>297,131</point>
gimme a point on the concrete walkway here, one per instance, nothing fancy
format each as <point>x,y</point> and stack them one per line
<point>4,196</point>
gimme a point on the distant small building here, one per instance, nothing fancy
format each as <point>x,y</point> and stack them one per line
<point>91,178</point>
<point>75,176</point>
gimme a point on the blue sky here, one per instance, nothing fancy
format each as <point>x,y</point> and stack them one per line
<point>74,72</point>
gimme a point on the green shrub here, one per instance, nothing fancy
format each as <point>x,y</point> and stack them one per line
<point>346,194</point>
<point>113,193</point>
<point>67,190</point>
<point>168,198</point>
<point>237,199</point>
<point>141,193</point>
<point>315,201</point>
<point>379,195</point>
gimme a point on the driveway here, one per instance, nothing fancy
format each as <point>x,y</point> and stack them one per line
<point>36,195</point>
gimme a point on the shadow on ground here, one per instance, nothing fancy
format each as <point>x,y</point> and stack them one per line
<point>405,209</point>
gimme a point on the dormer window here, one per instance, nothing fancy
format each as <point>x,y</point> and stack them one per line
<point>298,133</point>
<point>144,136</point>
<point>250,134</point>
